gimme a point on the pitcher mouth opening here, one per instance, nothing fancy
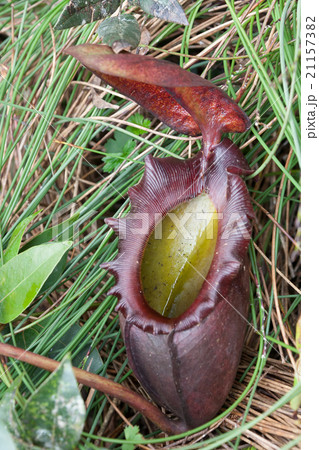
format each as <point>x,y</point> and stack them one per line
<point>171,185</point>
<point>178,255</point>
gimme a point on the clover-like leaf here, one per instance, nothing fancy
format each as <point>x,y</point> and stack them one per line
<point>120,32</point>
<point>138,119</point>
<point>169,10</point>
<point>113,161</point>
<point>22,277</point>
<point>80,12</point>
<point>54,415</point>
<point>132,434</point>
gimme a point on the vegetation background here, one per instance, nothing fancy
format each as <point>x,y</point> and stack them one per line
<point>70,148</point>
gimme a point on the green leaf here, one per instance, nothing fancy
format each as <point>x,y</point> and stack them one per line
<point>117,144</point>
<point>23,276</point>
<point>64,231</point>
<point>138,119</point>
<point>121,31</point>
<point>54,416</point>
<point>169,10</point>
<point>296,401</point>
<point>14,243</point>
<point>80,12</point>
<point>132,434</point>
<point>122,144</point>
<point>128,147</point>
<point>117,150</point>
<point>28,337</point>
<point>113,160</point>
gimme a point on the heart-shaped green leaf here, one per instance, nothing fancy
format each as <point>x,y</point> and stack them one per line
<point>54,415</point>
<point>22,277</point>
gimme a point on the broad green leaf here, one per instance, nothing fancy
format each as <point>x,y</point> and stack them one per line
<point>80,12</point>
<point>121,31</point>
<point>28,337</point>
<point>23,276</point>
<point>63,231</point>
<point>169,10</point>
<point>14,243</point>
<point>54,416</point>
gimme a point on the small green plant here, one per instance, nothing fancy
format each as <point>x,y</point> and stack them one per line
<point>120,147</point>
<point>132,434</point>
